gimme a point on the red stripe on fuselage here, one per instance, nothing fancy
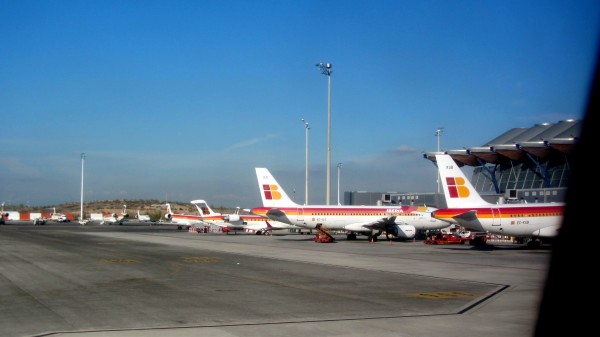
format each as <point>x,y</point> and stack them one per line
<point>503,212</point>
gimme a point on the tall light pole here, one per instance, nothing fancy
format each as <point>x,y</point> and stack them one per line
<point>438,133</point>
<point>325,69</point>
<point>81,200</point>
<point>307,127</point>
<point>339,166</point>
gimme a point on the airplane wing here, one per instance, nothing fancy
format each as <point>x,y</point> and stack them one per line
<point>188,222</point>
<point>275,212</point>
<point>469,215</point>
<point>549,231</point>
<point>278,215</point>
<point>263,226</point>
<point>381,224</point>
<point>453,216</point>
<point>465,218</point>
<point>202,222</point>
<point>228,225</point>
<point>388,225</point>
<point>270,226</point>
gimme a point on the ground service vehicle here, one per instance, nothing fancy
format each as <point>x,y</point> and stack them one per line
<point>323,236</point>
<point>446,239</point>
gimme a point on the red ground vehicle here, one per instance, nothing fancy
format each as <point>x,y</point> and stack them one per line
<point>478,239</point>
<point>446,239</point>
<point>323,236</point>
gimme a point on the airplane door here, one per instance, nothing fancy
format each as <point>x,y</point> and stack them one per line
<point>300,216</point>
<point>496,217</point>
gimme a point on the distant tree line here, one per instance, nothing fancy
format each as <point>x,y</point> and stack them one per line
<point>154,208</point>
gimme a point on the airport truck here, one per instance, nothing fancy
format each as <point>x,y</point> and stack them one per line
<point>446,239</point>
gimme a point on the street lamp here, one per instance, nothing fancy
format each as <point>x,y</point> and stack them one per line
<point>339,166</point>
<point>81,200</point>
<point>325,69</point>
<point>306,180</point>
<point>438,133</point>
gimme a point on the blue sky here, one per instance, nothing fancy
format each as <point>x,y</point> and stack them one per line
<point>181,100</point>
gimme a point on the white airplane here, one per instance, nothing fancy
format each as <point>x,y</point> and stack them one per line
<point>142,217</point>
<point>236,221</point>
<point>465,207</point>
<point>60,217</point>
<point>228,222</point>
<point>3,216</point>
<point>114,218</point>
<point>110,218</point>
<point>400,222</point>
<point>183,221</point>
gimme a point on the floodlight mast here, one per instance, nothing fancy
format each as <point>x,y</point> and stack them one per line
<point>325,69</point>
<point>339,166</point>
<point>81,201</point>
<point>438,133</point>
<point>307,127</point>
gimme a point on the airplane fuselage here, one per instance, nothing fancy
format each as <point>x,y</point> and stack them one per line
<point>511,220</point>
<point>229,221</point>
<point>352,218</point>
<point>184,219</point>
<point>59,217</point>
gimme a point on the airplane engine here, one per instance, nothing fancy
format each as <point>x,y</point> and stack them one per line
<point>402,231</point>
<point>232,217</point>
<point>168,216</point>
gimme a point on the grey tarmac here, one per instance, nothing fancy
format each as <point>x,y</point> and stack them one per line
<point>141,279</point>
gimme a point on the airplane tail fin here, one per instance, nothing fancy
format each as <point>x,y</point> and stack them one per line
<point>203,208</point>
<point>169,212</point>
<point>458,190</point>
<point>271,192</point>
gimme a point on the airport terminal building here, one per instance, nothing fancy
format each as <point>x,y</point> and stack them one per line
<point>521,165</point>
